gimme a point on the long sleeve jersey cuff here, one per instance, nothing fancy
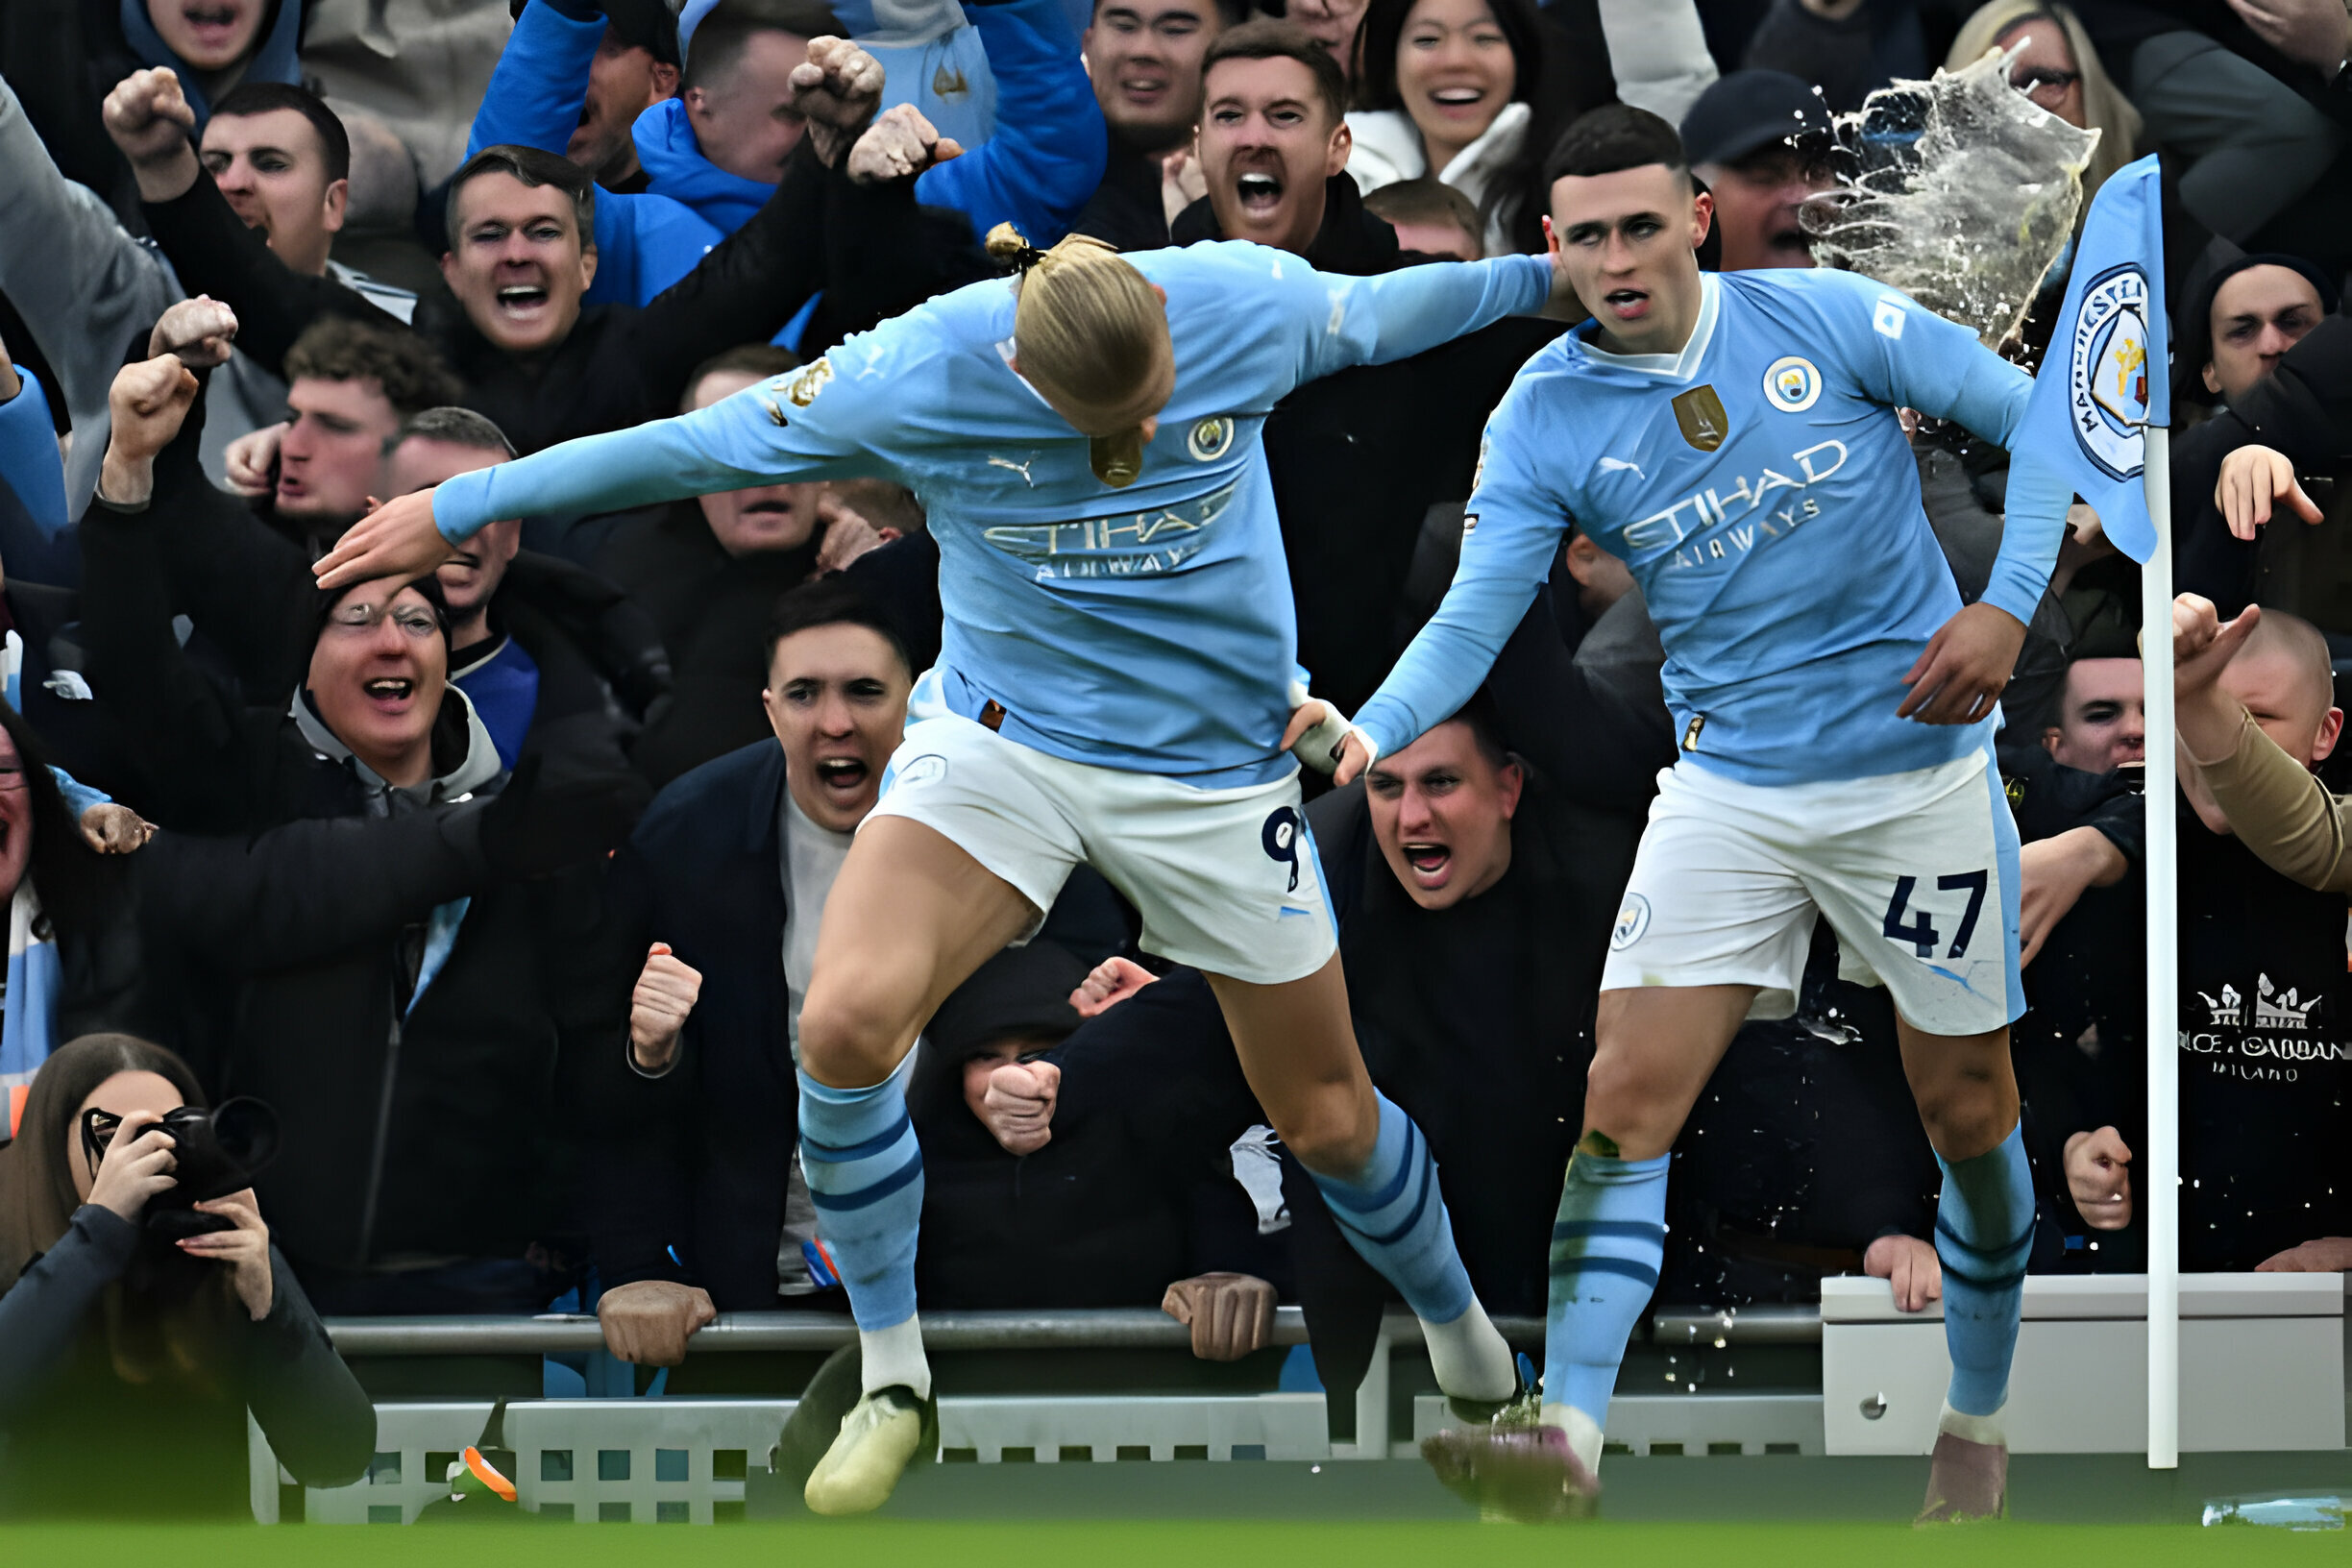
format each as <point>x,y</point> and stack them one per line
<point>457,504</point>
<point>2032,528</point>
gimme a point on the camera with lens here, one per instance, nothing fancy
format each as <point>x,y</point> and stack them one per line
<point>214,1153</point>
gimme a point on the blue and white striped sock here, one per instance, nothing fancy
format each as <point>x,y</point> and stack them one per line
<point>1607,1243</point>
<point>1984,1234</point>
<point>865,1176</point>
<point>1393,1213</point>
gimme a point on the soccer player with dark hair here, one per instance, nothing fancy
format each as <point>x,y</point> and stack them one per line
<point>1733,438</point>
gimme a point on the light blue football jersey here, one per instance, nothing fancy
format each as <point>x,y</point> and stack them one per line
<point>1147,628</point>
<point>1759,487</point>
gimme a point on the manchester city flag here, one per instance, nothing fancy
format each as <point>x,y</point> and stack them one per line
<point>2104,381</point>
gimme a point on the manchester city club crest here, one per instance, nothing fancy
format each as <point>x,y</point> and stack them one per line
<point>1792,384</point>
<point>1210,440</point>
<point>2107,372</point>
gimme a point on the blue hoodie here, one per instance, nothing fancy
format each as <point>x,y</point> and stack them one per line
<point>1037,172</point>
<point>644,242</point>
<point>274,57</point>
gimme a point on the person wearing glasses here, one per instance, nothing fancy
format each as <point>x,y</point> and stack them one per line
<point>383,935</point>
<point>2056,64</point>
<point>131,1355</point>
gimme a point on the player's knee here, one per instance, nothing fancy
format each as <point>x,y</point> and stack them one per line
<point>1330,1132</point>
<point>851,1034</point>
<point>1966,1115</point>
<point>1623,1106</point>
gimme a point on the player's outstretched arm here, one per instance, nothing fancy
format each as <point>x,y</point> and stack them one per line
<point>1509,534</point>
<point>1368,321</point>
<point>776,431</point>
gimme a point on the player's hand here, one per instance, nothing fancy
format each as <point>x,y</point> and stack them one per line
<point>1351,754</point>
<point>1018,1109</point>
<point>1964,667</point>
<point>836,91</point>
<point>1911,1269</point>
<point>1109,983</point>
<point>667,989</point>
<point>2053,873</point>
<point>2329,1254</point>
<point>199,333</point>
<point>2098,1177</point>
<point>149,117</point>
<point>648,1322</point>
<point>114,830</point>
<point>395,539</point>
<point>251,461</point>
<point>244,1247</point>
<point>1230,1314</point>
<point>2252,479</point>
<point>900,145</point>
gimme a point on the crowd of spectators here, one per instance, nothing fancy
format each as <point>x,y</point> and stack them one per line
<point>500,889</point>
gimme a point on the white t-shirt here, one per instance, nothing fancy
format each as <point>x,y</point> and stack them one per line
<point>813,857</point>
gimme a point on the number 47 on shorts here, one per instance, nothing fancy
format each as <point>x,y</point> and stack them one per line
<point>1919,930</point>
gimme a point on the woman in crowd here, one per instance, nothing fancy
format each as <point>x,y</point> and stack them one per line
<point>127,1358</point>
<point>2058,68</point>
<point>1474,92</point>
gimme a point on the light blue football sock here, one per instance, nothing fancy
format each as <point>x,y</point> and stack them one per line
<point>865,1176</point>
<point>1393,1213</point>
<point>1984,1234</point>
<point>1607,1244</point>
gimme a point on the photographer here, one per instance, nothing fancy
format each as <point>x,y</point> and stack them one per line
<point>130,1359</point>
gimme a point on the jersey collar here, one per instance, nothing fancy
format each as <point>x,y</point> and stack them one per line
<point>1679,367</point>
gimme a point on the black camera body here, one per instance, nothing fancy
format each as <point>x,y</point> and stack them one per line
<point>214,1153</point>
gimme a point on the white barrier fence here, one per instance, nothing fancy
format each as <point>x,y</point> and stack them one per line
<point>2273,1344</point>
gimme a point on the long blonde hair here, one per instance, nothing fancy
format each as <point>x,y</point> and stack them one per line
<point>1089,326</point>
<point>2105,109</point>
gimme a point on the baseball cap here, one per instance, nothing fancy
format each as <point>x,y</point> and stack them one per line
<point>1749,110</point>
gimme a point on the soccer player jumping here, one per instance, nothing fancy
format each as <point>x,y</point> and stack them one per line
<point>1734,439</point>
<point>1113,687</point>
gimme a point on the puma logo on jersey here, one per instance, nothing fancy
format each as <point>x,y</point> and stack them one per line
<point>1618,465</point>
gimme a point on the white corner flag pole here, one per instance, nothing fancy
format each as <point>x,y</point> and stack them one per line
<point>2162,1171</point>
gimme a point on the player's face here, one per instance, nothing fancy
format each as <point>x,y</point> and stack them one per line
<point>744,122</point>
<point>1629,244</point>
<point>1267,143</point>
<point>1758,200</point>
<point>516,262</point>
<point>1454,71</point>
<point>1144,57</point>
<point>835,699</point>
<point>1441,814</point>
<point>271,170</point>
<point>2102,717</point>
<point>2258,315</point>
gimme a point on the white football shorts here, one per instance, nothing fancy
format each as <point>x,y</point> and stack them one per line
<point>1226,879</point>
<point>1917,872</point>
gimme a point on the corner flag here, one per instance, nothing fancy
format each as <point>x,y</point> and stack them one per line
<point>2105,378</point>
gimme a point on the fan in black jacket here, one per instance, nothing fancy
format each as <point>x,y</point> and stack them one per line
<point>542,368</point>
